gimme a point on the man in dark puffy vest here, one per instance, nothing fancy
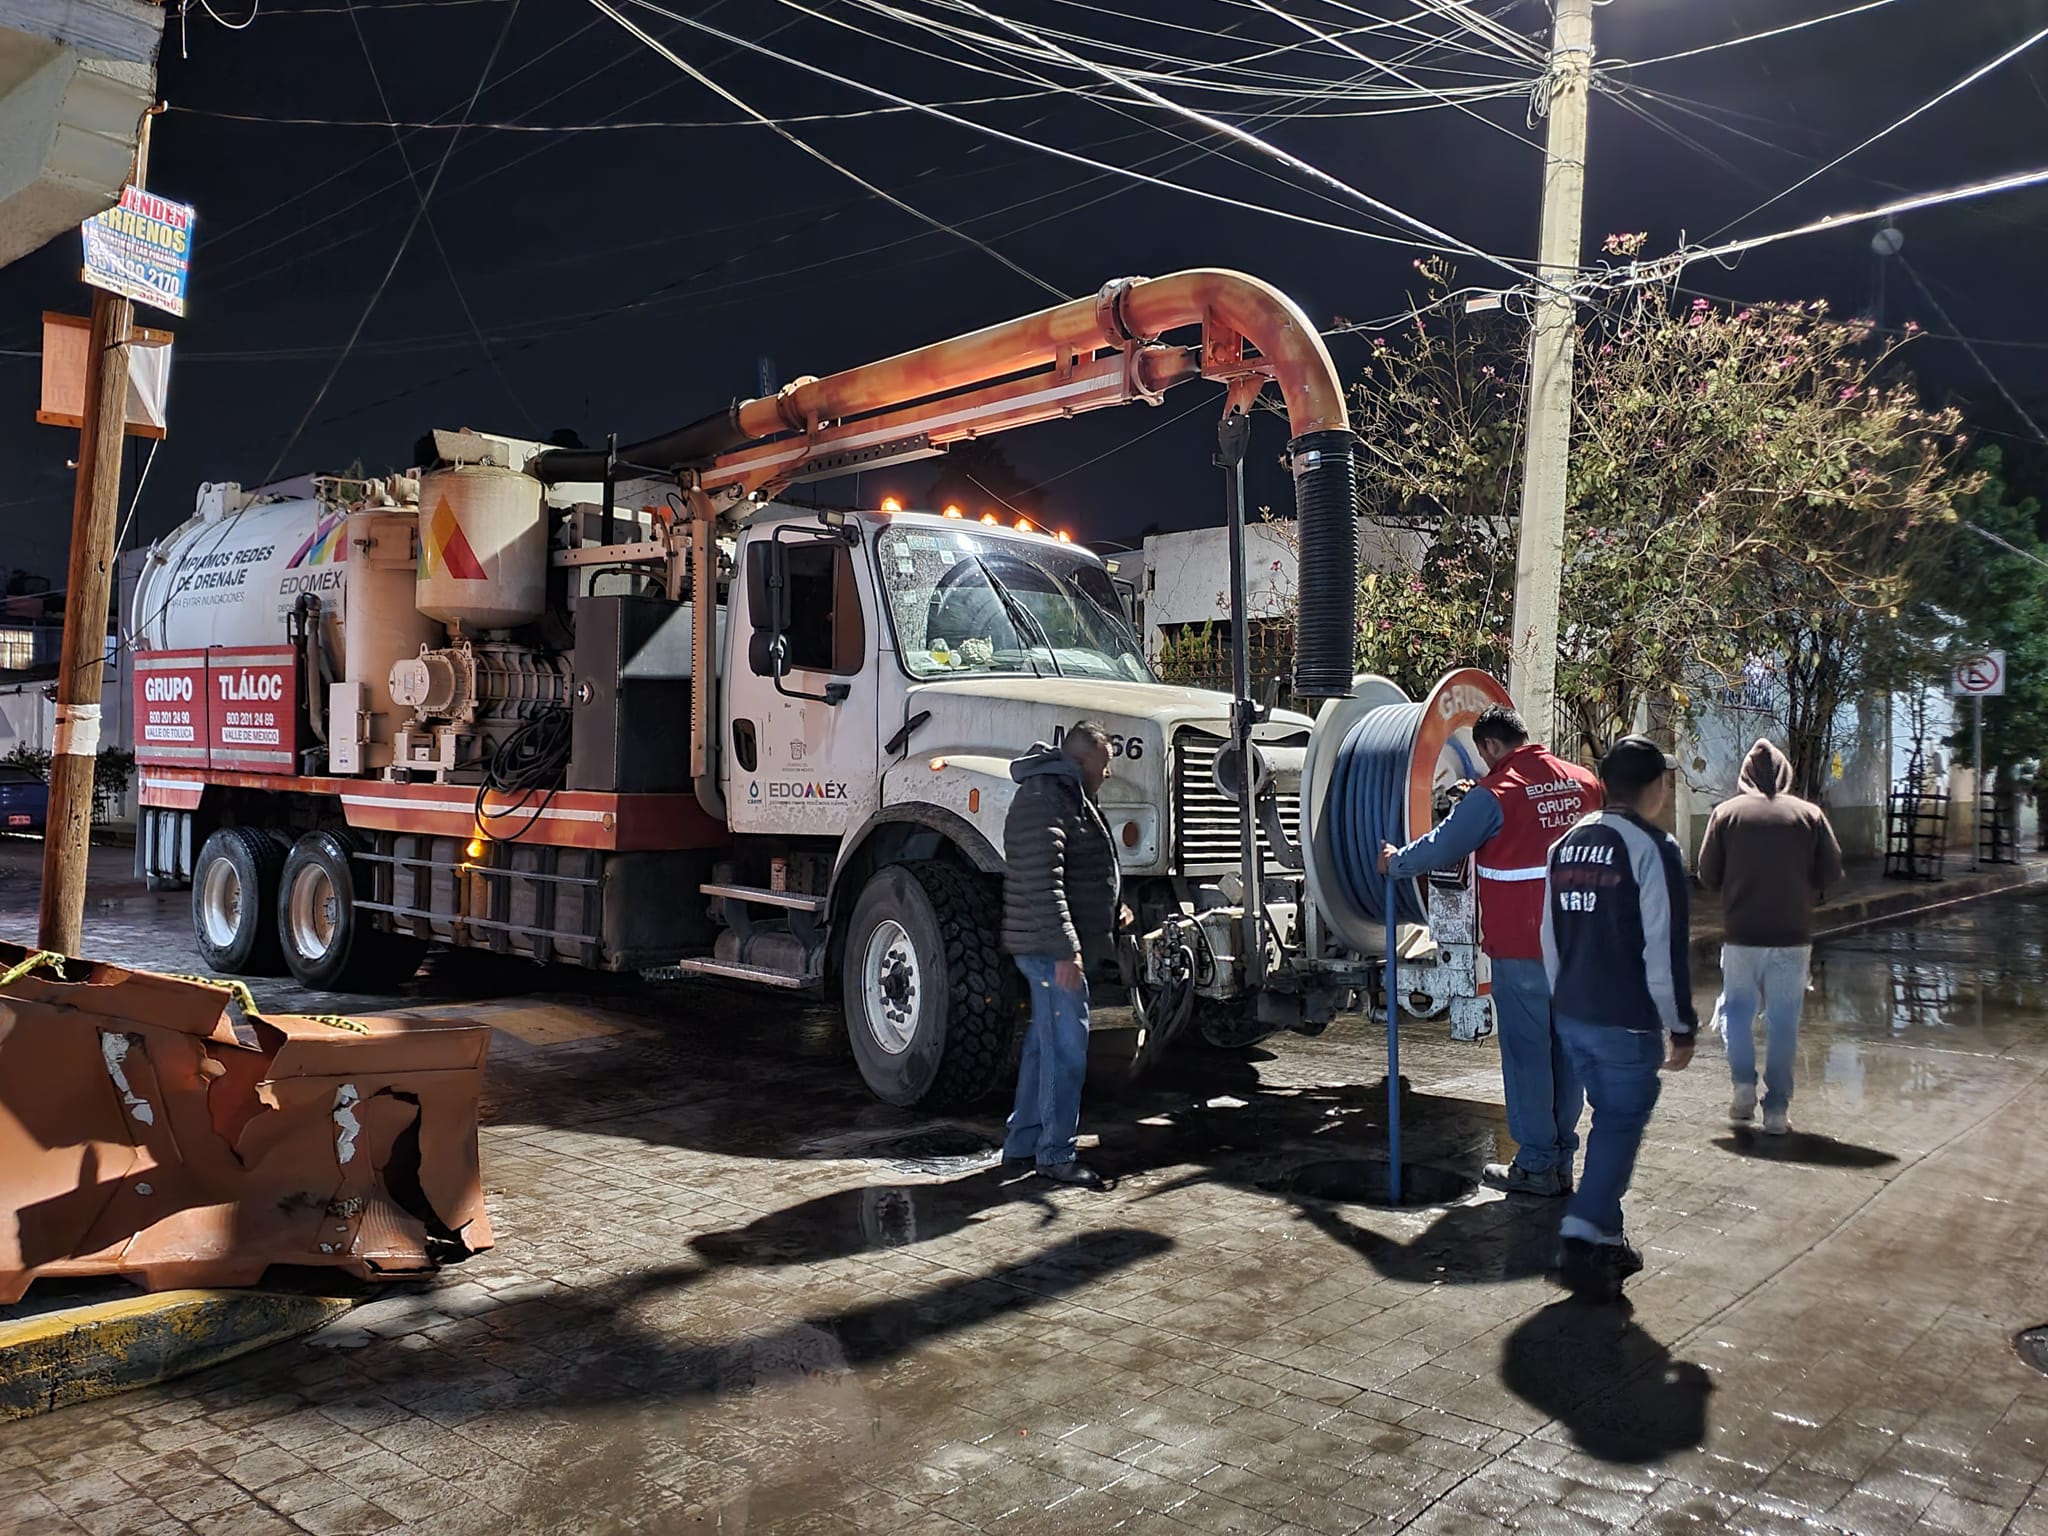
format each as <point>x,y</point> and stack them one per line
<point>1527,801</point>
<point>1059,917</point>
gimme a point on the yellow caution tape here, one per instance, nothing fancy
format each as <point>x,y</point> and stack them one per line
<point>41,960</point>
<point>246,1000</point>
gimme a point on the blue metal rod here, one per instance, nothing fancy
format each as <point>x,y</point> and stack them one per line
<point>1393,1056</point>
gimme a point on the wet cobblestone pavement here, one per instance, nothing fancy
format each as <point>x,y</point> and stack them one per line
<point>731,1292</point>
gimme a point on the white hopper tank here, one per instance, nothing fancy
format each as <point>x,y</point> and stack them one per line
<point>483,547</point>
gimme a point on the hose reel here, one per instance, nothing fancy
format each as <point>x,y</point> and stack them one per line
<point>1374,768</point>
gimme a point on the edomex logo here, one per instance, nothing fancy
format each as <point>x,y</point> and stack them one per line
<point>325,545</point>
<point>445,551</point>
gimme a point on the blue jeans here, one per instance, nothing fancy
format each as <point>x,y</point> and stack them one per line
<point>1047,1114</point>
<point>1772,981</point>
<point>1543,1092</point>
<point>1619,1069</point>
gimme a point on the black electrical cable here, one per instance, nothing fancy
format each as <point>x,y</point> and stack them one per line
<point>533,760</point>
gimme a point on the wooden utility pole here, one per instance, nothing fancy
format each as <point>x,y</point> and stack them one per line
<point>1539,550</point>
<point>95,512</point>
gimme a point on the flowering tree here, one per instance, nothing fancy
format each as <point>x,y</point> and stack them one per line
<point>1743,483</point>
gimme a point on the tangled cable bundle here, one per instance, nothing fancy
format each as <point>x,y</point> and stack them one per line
<point>531,761</point>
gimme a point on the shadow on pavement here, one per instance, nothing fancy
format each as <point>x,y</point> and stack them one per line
<point>1803,1147</point>
<point>1477,1243</point>
<point>630,1360</point>
<point>1613,1387</point>
<point>850,1221</point>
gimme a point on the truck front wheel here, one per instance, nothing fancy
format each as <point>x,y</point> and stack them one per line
<point>329,942</point>
<point>931,1003</point>
<point>234,900</point>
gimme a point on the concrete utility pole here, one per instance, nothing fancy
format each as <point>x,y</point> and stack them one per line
<point>95,511</point>
<point>1539,550</point>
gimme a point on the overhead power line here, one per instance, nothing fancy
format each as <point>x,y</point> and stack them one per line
<point>1975,356</point>
<point>1926,106</point>
<point>434,231</point>
<point>426,199</point>
<point>1052,150</point>
<point>1252,141</point>
<point>821,157</point>
<point>1662,269</point>
<point>1373,63</point>
<point>1754,37</point>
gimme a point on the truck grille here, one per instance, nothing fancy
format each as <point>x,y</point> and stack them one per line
<point>1205,820</point>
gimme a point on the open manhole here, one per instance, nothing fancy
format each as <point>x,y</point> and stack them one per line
<point>2033,1348</point>
<point>1364,1181</point>
<point>939,1149</point>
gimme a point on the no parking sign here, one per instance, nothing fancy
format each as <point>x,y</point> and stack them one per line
<point>1981,676</point>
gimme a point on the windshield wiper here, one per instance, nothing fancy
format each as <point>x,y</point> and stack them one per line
<point>1021,619</point>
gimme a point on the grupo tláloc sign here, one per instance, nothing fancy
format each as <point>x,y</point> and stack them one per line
<point>224,707</point>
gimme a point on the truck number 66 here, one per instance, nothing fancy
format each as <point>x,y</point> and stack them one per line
<point>1132,747</point>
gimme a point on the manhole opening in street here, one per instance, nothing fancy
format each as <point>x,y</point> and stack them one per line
<point>939,1141</point>
<point>1363,1181</point>
<point>2033,1348</point>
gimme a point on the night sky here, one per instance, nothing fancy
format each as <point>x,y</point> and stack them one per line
<point>630,280</point>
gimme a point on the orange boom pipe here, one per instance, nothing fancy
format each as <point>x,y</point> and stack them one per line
<point>1086,354</point>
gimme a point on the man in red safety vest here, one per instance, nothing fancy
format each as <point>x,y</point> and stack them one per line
<point>1528,800</point>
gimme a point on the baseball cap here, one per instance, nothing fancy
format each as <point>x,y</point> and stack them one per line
<point>1633,762</point>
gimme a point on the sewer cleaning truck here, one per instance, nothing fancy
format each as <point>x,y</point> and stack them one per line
<point>627,709</point>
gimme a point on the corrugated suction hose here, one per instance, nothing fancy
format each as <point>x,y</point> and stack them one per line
<point>1326,514</point>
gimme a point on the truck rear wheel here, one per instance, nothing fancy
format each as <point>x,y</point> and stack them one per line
<point>931,1008</point>
<point>328,941</point>
<point>234,900</point>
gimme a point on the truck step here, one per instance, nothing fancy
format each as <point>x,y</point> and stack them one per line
<point>795,901</point>
<point>760,975</point>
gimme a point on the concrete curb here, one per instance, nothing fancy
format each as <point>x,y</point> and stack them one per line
<point>1907,900</point>
<point>79,1353</point>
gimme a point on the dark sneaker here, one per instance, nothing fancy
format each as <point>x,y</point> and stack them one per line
<point>1077,1174</point>
<point>1595,1271</point>
<point>1550,1182</point>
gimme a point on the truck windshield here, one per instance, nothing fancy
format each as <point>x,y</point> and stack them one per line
<point>964,602</point>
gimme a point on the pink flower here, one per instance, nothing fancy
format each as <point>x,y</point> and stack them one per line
<point>1849,392</point>
<point>1699,306</point>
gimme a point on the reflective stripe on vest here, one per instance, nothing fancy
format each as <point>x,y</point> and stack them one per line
<point>1512,874</point>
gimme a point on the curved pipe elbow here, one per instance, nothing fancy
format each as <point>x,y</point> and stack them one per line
<point>1288,344</point>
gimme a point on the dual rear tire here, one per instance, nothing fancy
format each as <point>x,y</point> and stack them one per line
<point>261,904</point>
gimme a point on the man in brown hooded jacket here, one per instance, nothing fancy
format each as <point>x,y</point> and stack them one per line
<point>1771,855</point>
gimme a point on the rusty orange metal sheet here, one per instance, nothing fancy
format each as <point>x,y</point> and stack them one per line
<point>141,1135</point>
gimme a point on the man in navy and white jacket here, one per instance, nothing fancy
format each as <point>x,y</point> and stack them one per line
<point>1615,916</point>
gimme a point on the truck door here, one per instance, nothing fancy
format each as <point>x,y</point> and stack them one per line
<point>801,726</point>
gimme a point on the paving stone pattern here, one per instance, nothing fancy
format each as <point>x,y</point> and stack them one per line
<point>732,1293</point>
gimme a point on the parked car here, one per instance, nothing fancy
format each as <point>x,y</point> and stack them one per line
<point>24,800</point>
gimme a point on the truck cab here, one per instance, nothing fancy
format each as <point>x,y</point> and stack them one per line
<point>886,669</point>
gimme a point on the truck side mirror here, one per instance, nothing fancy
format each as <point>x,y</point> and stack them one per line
<point>768,608</point>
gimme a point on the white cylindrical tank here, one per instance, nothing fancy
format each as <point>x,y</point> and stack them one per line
<point>483,547</point>
<point>231,575</point>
